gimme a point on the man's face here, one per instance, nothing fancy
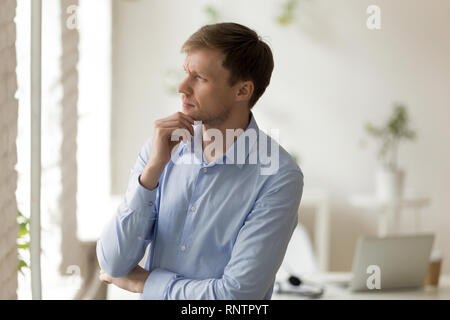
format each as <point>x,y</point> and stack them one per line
<point>206,87</point>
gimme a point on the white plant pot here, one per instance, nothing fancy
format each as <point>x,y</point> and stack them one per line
<point>389,184</point>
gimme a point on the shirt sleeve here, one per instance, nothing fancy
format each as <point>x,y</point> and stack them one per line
<point>125,237</point>
<point>256,256</point>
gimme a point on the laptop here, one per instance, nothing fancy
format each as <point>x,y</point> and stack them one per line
<point>392,262</point>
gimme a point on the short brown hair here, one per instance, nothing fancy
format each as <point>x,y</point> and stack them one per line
<point>247,57</point>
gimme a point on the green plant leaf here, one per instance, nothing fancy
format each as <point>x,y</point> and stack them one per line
<point>212,14</point>
<point>23,230</point>
<point>391,134</point>
<point>22,264</point>
<point>284,19</point>
<point>24,246</point>
<point>287,15</point>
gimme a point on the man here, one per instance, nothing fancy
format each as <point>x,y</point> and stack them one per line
<point>217,224</point>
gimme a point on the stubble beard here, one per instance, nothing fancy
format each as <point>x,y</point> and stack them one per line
<point>215,120</point>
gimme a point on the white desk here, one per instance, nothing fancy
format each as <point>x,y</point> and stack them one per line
<point>335,291</point>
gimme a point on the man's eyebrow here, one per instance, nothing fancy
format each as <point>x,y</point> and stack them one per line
<point>195,72</point>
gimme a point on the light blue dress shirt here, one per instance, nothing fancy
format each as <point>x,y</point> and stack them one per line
<point>216,230</point>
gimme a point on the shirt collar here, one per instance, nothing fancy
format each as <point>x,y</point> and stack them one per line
<point>231,152</point>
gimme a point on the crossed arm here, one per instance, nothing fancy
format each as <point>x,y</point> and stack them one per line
<point>256,256</point>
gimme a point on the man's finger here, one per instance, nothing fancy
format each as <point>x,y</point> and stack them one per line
<point>105,278</point>
<point>175,123</point>
<point>188,117</point>
<point>178,115</point>
<point>178,124</point>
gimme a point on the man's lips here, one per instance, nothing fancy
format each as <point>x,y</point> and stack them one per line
<point>187,105</point>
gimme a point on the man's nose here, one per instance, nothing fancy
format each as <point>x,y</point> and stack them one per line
<point>184,87</point>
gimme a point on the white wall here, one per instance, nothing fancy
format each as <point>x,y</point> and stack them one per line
<point>331,75</point>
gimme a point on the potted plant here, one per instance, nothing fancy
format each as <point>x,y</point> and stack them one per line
<point>389,178</point>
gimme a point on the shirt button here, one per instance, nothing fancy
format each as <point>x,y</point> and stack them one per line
<point>139,238</point>
<point>205,170</point>
<point>193,209</point>
<point>150,203</point>
<point>183,248</point>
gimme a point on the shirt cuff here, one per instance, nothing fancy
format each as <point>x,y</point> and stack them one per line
<point>155,287</point>
<point>139,198</point>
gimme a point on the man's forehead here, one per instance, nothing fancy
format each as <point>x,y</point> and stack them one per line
<point>204,59</point>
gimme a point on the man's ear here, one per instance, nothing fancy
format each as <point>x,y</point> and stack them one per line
<point>245,91</point>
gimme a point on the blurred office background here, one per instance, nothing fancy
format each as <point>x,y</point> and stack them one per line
<point>110,69</point>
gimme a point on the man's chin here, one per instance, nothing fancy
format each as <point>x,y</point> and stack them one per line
<point>192,113</point>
